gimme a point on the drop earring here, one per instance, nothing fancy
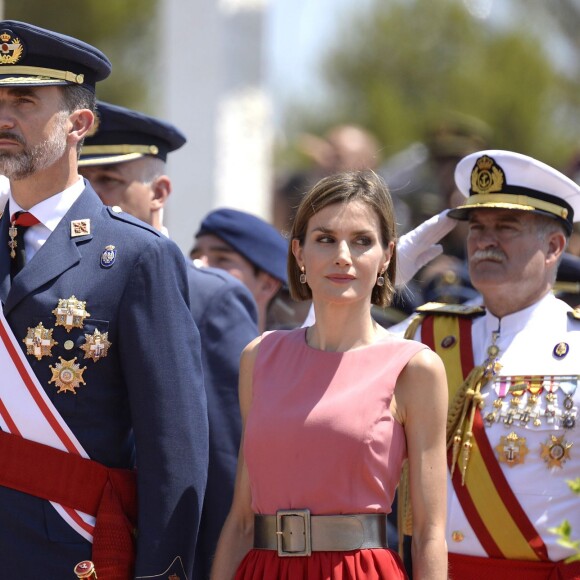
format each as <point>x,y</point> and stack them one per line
<point>303,276</point>
<point>380,280</point>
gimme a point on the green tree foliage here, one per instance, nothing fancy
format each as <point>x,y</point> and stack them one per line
<point>123,30</point>
<point>405,65</point>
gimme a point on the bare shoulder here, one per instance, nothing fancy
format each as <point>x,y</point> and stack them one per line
<point>248,356</point>
<point>422,382</point>
<point>424,361</point>
<point>247,361</point>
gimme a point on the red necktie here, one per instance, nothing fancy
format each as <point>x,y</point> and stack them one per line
<point>20,222</point>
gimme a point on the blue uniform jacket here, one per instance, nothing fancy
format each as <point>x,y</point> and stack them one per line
<point>226,315</point>
<point>143,404</point>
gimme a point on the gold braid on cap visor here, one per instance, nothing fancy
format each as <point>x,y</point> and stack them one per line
<point>511,201</point>
<point>39,73</point>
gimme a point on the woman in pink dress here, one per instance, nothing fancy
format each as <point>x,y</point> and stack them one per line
<point>331,411</point>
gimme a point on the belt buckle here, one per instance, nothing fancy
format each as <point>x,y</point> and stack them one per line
<point>305,530</point>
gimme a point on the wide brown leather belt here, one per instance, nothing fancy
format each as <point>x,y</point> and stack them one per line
<point>297,533</point>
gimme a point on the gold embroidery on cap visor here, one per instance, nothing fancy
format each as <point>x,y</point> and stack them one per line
<point>511,201</point>
<point>114,153</point>
<point>38,75</point>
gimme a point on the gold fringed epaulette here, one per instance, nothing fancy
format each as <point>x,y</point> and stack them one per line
<point>411,330</point>
<point>467,310</point>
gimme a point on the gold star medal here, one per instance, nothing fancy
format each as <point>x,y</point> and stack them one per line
<point>556,451</point>
<point>512,449</point>
<point>67,375</point>
<point>96,345</point>
<point>39,341</point>
<point>70,313</point>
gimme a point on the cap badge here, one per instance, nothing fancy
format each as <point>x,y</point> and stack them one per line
<point>11,49</point>
<point>67,375</point>
<point>108,256</point>
<point>70,313</point>
<point>80,228</point>
<point>556,451</point>
<point>487,176</point>
<point>96,345</point>
<point>512,449</point>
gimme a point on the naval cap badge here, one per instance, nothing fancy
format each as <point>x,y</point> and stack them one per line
<point>487,176</point>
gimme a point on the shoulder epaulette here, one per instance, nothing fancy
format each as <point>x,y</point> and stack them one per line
<point>117,213</point>
<point>440,308</point>
<point>575,313</point>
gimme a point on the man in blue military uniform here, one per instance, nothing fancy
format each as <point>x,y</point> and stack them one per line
<point>99,353</point>
<point>125,161</point>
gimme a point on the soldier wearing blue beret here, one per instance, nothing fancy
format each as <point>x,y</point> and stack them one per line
<point>104,436</point>
<point>247,247</point>
<point>124,160</point>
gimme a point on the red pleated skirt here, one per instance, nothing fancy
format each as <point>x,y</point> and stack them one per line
<point>373,564</point>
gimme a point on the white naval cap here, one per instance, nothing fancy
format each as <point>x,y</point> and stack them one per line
<point>504,179</point>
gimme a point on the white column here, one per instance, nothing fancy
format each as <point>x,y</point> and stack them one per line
<point>212,88</point>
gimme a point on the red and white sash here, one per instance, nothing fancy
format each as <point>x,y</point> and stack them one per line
<point>26,410</point>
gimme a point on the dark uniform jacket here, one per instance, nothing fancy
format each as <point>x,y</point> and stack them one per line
<point>143,403</point>
<point>226,315</point>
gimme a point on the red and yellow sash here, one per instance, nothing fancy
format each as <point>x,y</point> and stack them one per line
<point>487,500</point>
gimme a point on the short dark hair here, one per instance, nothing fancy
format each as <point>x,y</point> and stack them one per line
<point>365,186</point>
<point>75,97</point>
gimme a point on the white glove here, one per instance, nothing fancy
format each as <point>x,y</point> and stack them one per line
<point>419,246</point>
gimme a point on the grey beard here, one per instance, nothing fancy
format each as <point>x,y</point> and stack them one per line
<point>21,165</point>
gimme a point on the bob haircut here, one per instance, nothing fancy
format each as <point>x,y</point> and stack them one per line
<point>365,186</point>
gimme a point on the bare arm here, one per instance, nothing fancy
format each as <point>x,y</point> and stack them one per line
<point>421,406</point>
<point>237,534</point>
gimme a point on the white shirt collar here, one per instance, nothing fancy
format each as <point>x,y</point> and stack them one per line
<point>51,210</point>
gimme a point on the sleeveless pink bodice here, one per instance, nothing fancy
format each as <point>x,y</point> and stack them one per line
<point>319,434</point>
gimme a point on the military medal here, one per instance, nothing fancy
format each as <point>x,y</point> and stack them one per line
<point>12,243</point>
<point>561,350</point>
<point>512,449</point>
<point>108,256</point>
<point>70,313</point>
<point>80,228</point>
<point>96,345</point>
<point>556,451</point>
<point>39,341</point>
<point>67,375</point>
